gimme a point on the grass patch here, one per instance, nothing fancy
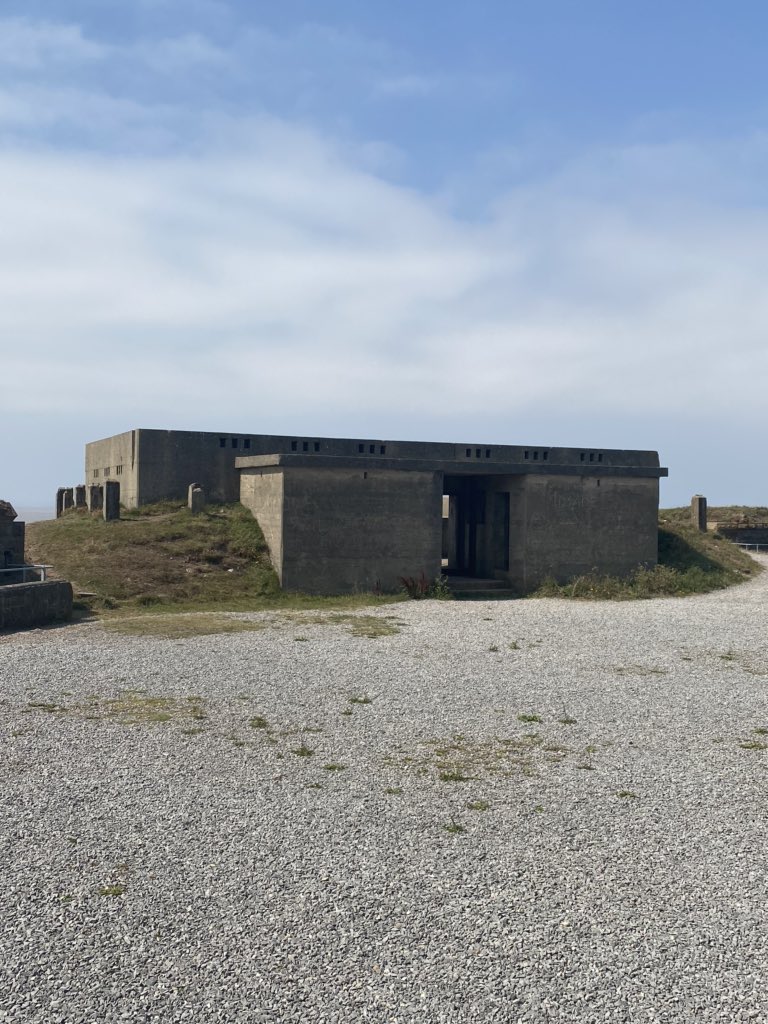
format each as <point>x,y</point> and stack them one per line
<point>112,890</point>
<point>478,805</point>
<point>258,722</point>
<point>361,699</point>
<point>529,718</point>
<point>454,775</point>
<point>333,767</point>
<point>303,751</point>
<point>180,626</point>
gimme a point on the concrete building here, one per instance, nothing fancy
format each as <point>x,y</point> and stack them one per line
<point>346,514</point>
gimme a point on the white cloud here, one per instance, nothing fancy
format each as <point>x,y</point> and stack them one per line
<point>284,274</point>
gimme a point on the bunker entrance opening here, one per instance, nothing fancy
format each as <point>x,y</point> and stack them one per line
<point>476,526</point>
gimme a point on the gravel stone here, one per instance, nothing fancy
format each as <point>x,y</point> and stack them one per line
<point>595,849</point>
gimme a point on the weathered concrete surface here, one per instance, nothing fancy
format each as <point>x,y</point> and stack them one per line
<point>348,530</point>
<point>80,501</point>
<point>699,512</point>
<point>11,545</point>
<point>111,508</point>
<point>156,465</point>
<point>24,605</point>
<point>195,498</point>
<point>745,534</point>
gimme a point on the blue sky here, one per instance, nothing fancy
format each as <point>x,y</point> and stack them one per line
<point>494,222</point>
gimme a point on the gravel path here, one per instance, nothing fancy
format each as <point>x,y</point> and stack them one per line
<point>254,827</point>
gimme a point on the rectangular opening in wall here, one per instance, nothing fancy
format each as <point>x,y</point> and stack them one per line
<point>247,442</point>
<point>305,446</point>
<point>600,457</point>
<point>487,453</point>
<point>371,449</point>
<point>234,442</point>
<point>106,471</point>
<point>535,456</point>
<point>583,456</point>
<point>317,446</point>
<point>361,448</point>
<point>469,453</point>
<point>119,470</point>
<point>526,455</point>
<point>591,456</point>
<point>294,446</point>
<point>222,442</point>
<point>382,449</point>
<point>545,456</point>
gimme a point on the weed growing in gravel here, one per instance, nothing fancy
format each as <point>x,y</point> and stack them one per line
<point>301,639</point>
<point>361,700</point>
<point>192,732</point>
<point>538,809</point>
<point>347,711</point>
<point>454,827</point>
<point>753,745</point>
<point>493,648</point>
<point>454,775</point>
<point>478,805</point>
<point>112,890</point>
<point>258,722</point>
<point>514,646</point>
<point>529,718</point>
<point>627,794</point>
<point>303,751</point>
<point>393,791</point>
<point>761,730</point>
<point>333,767</point>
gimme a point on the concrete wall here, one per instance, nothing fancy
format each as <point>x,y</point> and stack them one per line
<point>11,545</point>
<point>575,525</point>
<point>153,465</point>
<point>347,530</point>
<point>261,491</point>
<point>25,605</point>
<point>115,458</point>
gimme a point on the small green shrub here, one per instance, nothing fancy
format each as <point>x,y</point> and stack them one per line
<point>419,587</point>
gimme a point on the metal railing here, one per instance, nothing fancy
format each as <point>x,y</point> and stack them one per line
<point>750,547</point>
<point>24,569</point>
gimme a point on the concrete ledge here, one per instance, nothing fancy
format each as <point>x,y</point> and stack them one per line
<point>24,605</point>
<point>453,468</point>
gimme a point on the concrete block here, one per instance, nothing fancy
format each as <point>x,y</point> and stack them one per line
<point>25,605</point>
<point>699,512</point>
<point>111,508</point>
<point>95,497</point>
<point>80,496</point>
<point>195,498</point>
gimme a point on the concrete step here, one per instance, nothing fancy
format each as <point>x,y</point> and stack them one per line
<point>474,588</point>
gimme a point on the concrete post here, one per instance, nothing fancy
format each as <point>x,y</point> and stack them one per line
<point>111,500</point>
<point>95,498</point>
<point>195,498</point>
<point>699,512</point>
<point>59,502</point>
<point>68,498</point>
<point>80,496</point>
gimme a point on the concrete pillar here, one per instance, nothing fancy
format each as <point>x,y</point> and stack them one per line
<point>95,497</point>
<point>195,498</point>
<point>68,498</point>
<point>59,502</point>
<point>80,496</point>
<point>111,500</point>
<point>699,512</point>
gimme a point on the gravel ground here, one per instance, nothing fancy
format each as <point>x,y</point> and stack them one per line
<point>596,851</point>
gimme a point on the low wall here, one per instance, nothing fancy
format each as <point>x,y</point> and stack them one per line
<point>744,534</point>
<point>23,605</point>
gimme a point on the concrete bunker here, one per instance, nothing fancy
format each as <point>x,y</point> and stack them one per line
<point>349,514</point>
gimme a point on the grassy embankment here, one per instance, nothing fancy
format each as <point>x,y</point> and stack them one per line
<point>161,558</point>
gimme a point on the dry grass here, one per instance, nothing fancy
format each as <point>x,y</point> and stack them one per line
<point>180,626</point>
<point>161,557</point>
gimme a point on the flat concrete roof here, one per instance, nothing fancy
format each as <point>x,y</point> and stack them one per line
<point>302,460</point>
